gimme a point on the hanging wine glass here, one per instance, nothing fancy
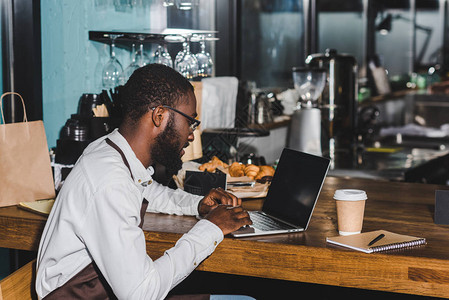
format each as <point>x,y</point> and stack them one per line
<point>142,58</point>
<point>161,56</point>
<point>187,65</point>
<point>181,53</point>
<point>167,55</point>
<point>113,70</point>
<point>133,65</point>
<point>205,64</point>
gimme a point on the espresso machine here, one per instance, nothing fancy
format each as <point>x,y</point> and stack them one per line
<point>338,101</point>
<point>83,127</point>
<point>305,124</point>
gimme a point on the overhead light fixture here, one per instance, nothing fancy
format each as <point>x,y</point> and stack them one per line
<point>384,27</point>
<point>185,5</point>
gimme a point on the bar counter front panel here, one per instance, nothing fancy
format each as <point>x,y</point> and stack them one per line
<point>404,208</point>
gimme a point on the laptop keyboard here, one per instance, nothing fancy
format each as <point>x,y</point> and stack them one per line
<point>265,223</point>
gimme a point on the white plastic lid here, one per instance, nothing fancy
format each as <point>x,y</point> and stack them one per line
<point>350,195</point>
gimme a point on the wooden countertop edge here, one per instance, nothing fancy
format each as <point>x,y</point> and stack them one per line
<point>328,266</point>
<point>11,231</point>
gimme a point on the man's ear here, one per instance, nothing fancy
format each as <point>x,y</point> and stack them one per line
<point>158,116</point>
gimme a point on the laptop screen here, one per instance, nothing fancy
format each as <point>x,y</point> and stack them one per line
<point>295,187</point>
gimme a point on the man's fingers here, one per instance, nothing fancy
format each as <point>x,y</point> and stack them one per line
<point>229,218</point>
<point>241,215</point>
<point>228,198</point>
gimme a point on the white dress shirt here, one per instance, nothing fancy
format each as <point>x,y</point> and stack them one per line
<point>96,217</point>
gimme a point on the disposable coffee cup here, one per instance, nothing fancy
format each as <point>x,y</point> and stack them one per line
<point>350,210</point>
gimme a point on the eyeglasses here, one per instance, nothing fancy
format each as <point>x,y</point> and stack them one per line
<point>194,123</point>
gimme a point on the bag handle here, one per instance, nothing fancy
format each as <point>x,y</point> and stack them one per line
<point>25,119</point>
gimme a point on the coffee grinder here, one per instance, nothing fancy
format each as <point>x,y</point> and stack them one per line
<point>305,125</point>
<point>338,102</point>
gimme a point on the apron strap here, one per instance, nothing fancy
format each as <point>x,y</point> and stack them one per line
<point>89,283</point>
<point>144,206</point>
<point>113,145</point>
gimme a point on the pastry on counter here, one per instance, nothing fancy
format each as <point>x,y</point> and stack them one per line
<point>251,170</point>
<point>236,169</point>
<point>264,171</point>
<point>212,165</point>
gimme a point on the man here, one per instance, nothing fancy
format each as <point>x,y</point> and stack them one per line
<point>93,246</point>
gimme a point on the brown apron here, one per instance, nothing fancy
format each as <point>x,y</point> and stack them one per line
<point>89,283</point>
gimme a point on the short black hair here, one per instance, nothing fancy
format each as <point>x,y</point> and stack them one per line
<point>150,86</point>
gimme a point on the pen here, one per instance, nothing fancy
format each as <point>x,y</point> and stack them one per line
<point>376,239</point>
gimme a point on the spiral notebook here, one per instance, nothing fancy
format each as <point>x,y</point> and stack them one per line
<point>389,241</point>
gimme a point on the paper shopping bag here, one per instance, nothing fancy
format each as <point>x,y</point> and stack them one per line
<point>25,169</point>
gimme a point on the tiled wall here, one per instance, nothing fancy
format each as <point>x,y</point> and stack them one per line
<point>71,64</point>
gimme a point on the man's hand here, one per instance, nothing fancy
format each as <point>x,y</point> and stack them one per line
<point>216,197</point>
<point>229,218</point>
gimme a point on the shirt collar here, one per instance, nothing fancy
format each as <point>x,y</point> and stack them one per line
<point>141,175</point>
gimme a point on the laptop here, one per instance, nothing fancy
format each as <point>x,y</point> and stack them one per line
<point>291,197</point>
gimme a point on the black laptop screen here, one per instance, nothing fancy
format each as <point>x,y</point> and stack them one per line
<point>295,187</point>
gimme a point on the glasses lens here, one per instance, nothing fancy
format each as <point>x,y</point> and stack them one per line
<point>193,122</point>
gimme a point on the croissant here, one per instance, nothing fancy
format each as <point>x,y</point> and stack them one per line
<point>236,169</point>
<point>215,160</point>
<point>209,167</point>
<point>212,165</point>
<point>264,171</point>
<point>251,170</point>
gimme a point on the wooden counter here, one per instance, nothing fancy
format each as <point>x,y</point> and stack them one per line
<point>305,257</point>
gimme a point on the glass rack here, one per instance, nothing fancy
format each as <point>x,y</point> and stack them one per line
<point>168,35</point>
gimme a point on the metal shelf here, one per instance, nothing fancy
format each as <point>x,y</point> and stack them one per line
<point>163,36</point>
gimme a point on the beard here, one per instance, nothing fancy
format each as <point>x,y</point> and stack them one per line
<point>167,148</point>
